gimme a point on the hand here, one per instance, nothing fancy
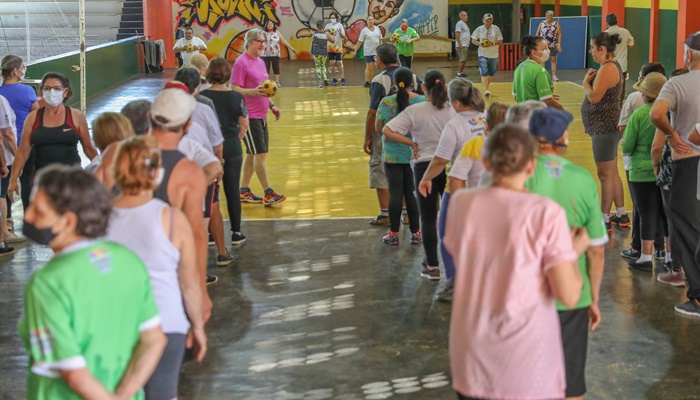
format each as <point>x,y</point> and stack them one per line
<point>353,54</point>
<point>258,91</point>
<point>459,47</point>
<point>414,148</point>
<point>4,171</point>
<point>12,189</point>
<point>198,339</point>
<point>367,147</point>
<point>276,111</point>
<point>293,50</point>
<point>594,315</point>
<point>559,50</point>
<point>425,187</point>
<point>195,48</point>
<point>678,145</point>
<point>206,306</point>
<point>556,97</point>
<point>580,239</point>
<point>656,170</point>
<point>589,76</point>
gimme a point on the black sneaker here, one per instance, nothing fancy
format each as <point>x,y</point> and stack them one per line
<point>646,266</point>
<point>237,239</point>
<point>690,307</point>
<point>462,75</point>
<point>660,254</point>
<point>622,221</point>
<point>631,254</point>
<point>608,227</point>
<point>211,240</point>
<point>6,251</point>
<point>223,260</point>
<point>432,273</point>
<point>334,82</point>
<point>212,279</point>
<point>367,84</point>
<point>445,294</point>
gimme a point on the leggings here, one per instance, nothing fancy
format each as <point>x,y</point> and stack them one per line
<point>636,237</point>
<point>406,61</point>
<point>320,63</point>
<point>233,160</point>
<point>675,252</point>
<point>429,211</point>
<point>400,180</point>
<point>27,179</point>
<point>648,203</point>
<point>442,221</point>
<point>273,62</point>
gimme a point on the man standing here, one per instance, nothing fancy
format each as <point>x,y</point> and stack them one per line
<point>189,46</point>
<point>404,44</point>
<point>248,73</point>
<point>680,96</point>
<point>575,190</point>
<point>462,35</point>
<point>487,37</point>
<point>621,49</point>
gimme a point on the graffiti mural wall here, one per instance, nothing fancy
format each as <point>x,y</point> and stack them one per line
<point>222,24</point>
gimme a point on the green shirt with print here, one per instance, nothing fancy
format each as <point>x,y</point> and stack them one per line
<point>639,135</point>
<point>403,48</point>
<point>574,189</point>
<point>85,309</point>
<point>395,152</point>
<point>531,81</point>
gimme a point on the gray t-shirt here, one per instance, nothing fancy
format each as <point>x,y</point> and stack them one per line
<point>681,94</point>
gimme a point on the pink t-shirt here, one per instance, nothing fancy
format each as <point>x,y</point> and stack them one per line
<point>505,338</point>
<point>248,73</point>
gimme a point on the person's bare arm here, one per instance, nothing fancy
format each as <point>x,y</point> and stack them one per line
<point>370,123</point>
<point>85,385</point>
<point>286,43</point>
<point>539,30</point>
<point>34,107</point>
<point>456,184</point>
<point>397,137</point>
<point>84,134</point>
<point>566,283</point>
<point>243,125</point>
<point>143,362</point>
<point>477,43</point>
<point>605,78</point>
<point>104,171</point>
<point>9,139</point>
<point>25,147</point>
<point>212,172</point>
<point>219,151</point>
<point>437,165</point>
<point>252,92</point>
<point>553,103</point>
<point>596,265</point>
<point>458,34</point>
<point>659,117</point>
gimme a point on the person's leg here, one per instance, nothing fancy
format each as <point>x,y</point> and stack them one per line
<point>260,167</point>
<point>574,335</point>
<point>605,172</point>
<point>636,239</point>
<point>553,60</point>
<point>409,197</point>
<point>686,220</point>
<point>163,383</point>
<point>429,213</point>
<point>231,180</point>
<point>27,179</point>
<point>394,177</point>
<point>672,250</point>
<point>341,68</point>
<point>248,170</point>
<point>644,197</point>
<point>442,221</point>
<point>275,61</point>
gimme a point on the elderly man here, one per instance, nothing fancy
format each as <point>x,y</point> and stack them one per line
<point>487,38</point>
<point>680,97</point>
<point>462,36</point>
<point>189,46</point>
<point>621,49</point>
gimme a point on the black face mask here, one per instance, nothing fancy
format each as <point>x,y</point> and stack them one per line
<point>39,236</point>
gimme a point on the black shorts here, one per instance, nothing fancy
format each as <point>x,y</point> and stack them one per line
<point>5,183</point>
<point>257,138</point>
<point>574,336</point>
<point>211,198</point>
<point>274,62</point>
<point>335,56</point>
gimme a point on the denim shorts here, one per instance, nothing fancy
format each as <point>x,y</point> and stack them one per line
<point>370,59</point>
<point>487,66</point>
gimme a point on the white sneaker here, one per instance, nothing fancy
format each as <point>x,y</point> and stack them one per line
<point>554,78</point>
<point>487,93</point>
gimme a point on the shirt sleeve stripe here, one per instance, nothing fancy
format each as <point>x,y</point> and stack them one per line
<point>149,324</point>
<point>51,369</point>
<point>600,241</point>
<point>543,98</point>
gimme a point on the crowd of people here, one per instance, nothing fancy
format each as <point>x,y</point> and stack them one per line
<point>126,289</point>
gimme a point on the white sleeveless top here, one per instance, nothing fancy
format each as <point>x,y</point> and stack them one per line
<point>140,230</point>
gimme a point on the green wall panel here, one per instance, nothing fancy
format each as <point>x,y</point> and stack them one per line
<point>595,10</point>
<point>639,54</point>
<point>570,11</point>
<point>501,16</point>
<point>529,13</point>
<point>594,22</point>
<point>668,25</point>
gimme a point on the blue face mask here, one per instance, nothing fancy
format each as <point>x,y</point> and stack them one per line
<point>39,236</point>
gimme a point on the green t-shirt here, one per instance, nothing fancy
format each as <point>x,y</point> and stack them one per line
<point>574,189</point>
<point>85,308</point>
<point>403,48</point>
<point>531,81</point>
<point>639,134</point>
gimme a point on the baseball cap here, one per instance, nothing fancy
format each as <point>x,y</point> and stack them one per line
<point>693,41</point>
<point>549,123</point>
<point>487,16</point>
<point>177,85</point>
<point>173,107</point>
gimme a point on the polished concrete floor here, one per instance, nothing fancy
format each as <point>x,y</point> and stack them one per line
<point>316,307</point>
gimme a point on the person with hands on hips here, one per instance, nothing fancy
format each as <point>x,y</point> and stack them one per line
<point>189,46</point>
<point>404,44</point>
<point>487,37</point>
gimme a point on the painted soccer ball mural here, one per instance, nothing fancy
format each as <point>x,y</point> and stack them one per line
<point>311,11</point>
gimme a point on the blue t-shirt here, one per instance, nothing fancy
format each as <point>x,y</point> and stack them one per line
<point>21,97</point>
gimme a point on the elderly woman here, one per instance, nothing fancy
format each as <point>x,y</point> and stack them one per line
<point>108,128</point>
<point>404,44</point>
<point>90,326</point>
<point>162,238</point>
<point>550,30</point>
<point>272,53</point>
<point>531,81</point>
<point>53,132</point>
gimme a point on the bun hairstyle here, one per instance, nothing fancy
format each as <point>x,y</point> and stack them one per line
<point>136,165</point>
<point>436,89</point>
<point>463,91</point>
<point>508,150</point>
<point>653,67</point>
<point>403,79</point>
<point>529,44</point>
<point>604,39</point>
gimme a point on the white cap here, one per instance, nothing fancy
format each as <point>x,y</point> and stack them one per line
<point>487,16</point>
<point>172,108</point>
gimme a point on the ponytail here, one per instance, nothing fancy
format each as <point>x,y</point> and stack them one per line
<point>403,79</point>
<point>436,87</point>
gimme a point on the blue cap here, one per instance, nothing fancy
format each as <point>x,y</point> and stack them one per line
<point>550,123</point>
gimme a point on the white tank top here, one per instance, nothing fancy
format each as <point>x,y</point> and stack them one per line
<point>140,230</point>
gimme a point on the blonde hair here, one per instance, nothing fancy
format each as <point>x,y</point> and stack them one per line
<point>109,128</point>
<point>200,62</point>
<point>136,164</point>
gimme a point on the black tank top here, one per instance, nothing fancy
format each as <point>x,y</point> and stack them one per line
<point>170,159</point>
<point>58,144</point>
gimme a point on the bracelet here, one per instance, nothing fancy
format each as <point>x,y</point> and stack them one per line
<point>271,106</point>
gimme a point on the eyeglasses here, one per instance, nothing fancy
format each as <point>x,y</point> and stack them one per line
<point>260,40</point>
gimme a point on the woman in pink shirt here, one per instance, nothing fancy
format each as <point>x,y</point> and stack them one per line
<point>505,339</point>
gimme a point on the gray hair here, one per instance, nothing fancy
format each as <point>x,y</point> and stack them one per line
<point>549,12</point>
<point>695,54</point>
<point>520,113</point>
<point>252,35</point>
<point>137,112</point>
<point>404,20</point>
<point>463,90</point>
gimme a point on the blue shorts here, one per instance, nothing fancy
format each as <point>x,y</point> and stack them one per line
<point>370,59</point>
<point>488,66</point>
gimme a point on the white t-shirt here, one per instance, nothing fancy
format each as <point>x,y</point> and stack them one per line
<point>425,123</point>
<point>632,103</point>
<point>493,34</point>
<point>337,45</point>
<point>464,33</point>
<point>464,126</point>
<point>187,55</point>
<point>621,49</point>
<point>196,152</point>
<point>371,40</point>
<point>8,120</point>
<point>207,120</point>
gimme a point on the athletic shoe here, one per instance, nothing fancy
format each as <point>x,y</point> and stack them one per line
<point>554,78</point>
<point>631,254</point>
<point>646,266</point>
<point>237,239</point>
<point>673,278</point>
<point>487,93</point>
<point>445,294</point>
<point>325,82</point>
<point>380,220</point>
<point>660,254</point>
<point>622,221</point>
<point>461,75</point>
<point>273,198</point>
<point>223,260</point>
<point>320,85</point>
<point>279,85</point>
<point>334,82</point>
<point>212,279</point>
<point>6,251</point>
<point>432,273</point>
<point>342,82</point>
<point>416,238</point>
<point>367,84</point>
<point>15,239</point>
<point>608,227</point>
<point>690,307</point>
<point>391,238</point>
<point>211,240</point>
<point>249,197</point>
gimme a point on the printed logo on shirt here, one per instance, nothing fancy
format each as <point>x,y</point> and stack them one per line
<point>476,121</point>
<point>554,168</point>
<point>41,338</point>
<point>101,258</point>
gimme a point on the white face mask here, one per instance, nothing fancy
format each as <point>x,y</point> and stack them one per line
<point>333,20</point>
<point>53,97</point>
<point>21,75</point>
<point>160,176</point>
<point>545,55</point>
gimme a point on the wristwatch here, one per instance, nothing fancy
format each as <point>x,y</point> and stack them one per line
<point>669,136</point>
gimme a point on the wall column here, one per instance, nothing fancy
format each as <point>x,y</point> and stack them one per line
<point>158,24</point>
<point>616,7</point>
<point>557,8</point>
<point>584,7</point>
<point>688,22</point>
<point>538,8</point>
<point>654,31</point>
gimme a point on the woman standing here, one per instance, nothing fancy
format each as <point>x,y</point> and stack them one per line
<point>319,49</point>
<point>271,55</point>
<point>600,112</point>
<point>531,81</point>
<point>162,238</point>
<point>425,121</point>
<point>505,337</point>
<point>371,36</point>
<point>550,30</point>
<point>233,116</point>
<point>397,159</point>
<point>404,44</point>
